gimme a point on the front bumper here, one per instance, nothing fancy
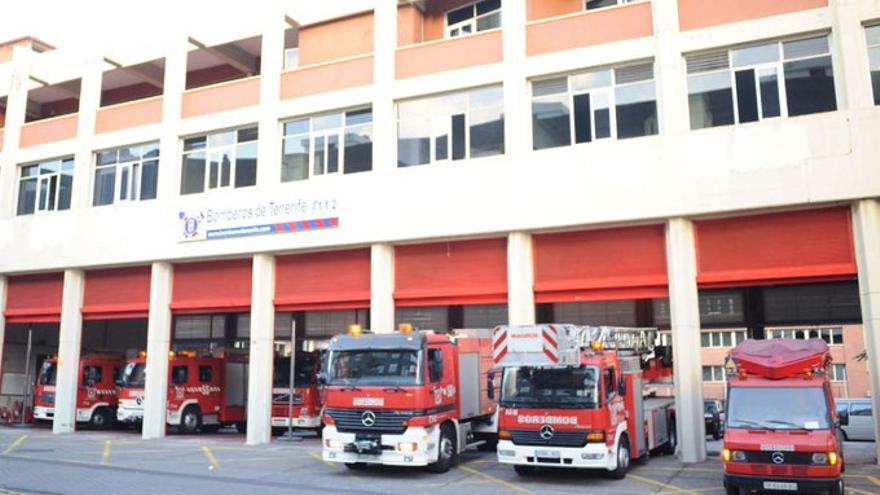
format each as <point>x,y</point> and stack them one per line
<point>426,452</point>
<point>44,413</point>
<point>801,485</point>
<point>300,422</point>
<point>129,415</point>
<point>591,456</point>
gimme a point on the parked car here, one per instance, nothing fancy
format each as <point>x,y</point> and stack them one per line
<point>856,418</point>
<point>712,413</point>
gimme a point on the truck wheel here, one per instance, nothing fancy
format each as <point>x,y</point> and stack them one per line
<point>524,470</point>
<point>241,427</point>
<point>623,458</point>
<point>319,431</point>
<point>100,419</point>
<point>731,490</point>
<point>191,420</point>
<point>837,490</point>
<point>672,443</point>
<point>356,466</point>
<point>447,455</point>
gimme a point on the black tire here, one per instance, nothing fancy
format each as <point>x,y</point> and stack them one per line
<point>524,470</point>
<point>716,433</point>
<point>731,490</point>
<point>623,459</point>
<point>210,428</point>
<point>837,490</point>
<point>241,427</point>
<point>191,420</point>
<point>669,446</point>
<point>491,443</point>
<point>101,419</point>
<point>447,450</point>
<point>356,466</point>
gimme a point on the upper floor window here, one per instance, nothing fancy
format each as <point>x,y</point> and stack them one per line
<point>457,126</point>
<point>472,18</point>
<point>291,58</point>
<point>713,374</point>
<point>831,336</point>
<point>873,34</point>
<point>599,104</point>
<point>332,143</point>
<point>126,174</point>
<point>768,80</point>
<point>598,4</point>
<point>45,186</point>
<point>219,160</point>
<point>724,338</point>
<point>838,372</point>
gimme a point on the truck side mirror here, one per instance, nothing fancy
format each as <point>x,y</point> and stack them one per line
<point>621,387</point>
<point>843,419</point>
<point>490,384</point>
<point>321,379</point>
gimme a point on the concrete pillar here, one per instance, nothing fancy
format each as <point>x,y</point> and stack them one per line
<point>384,118</point>
<point>89,102</point>
<point>681,264</point>
<point>16,105</point>
<point>271,66</point>
<point>669,69</point>
<point>520,279</point>
<point>259,410</point>
<point>158,345</point>
<point>174,84</point>
<point>849,55</point>
<point>517,103</point>
<point>866,234</point>
<point>382,288</point>
<point>69,344</point>
<point>4,284</point>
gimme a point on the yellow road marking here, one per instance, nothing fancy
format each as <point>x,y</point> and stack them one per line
<point>210,456</point>
<point>318,457</point>
<point>860,492</point>
<point>14,445</point>
<point>682,469</point>
<point>669,488</point>
<point>105,456</point>
<point>873,480</point>
<point>495,480</point>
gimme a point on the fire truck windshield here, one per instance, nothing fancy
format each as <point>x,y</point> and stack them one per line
<point>134,375</point>
<point>374,367</point>
<point>47,373</point>
<point>304,373</point>
<point>567,388</point>
<point>805,408</point>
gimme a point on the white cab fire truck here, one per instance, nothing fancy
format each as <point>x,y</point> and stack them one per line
<point>408,399</point>
<point>582,397</point>
<point>96,395</point>
<point>204,392</point>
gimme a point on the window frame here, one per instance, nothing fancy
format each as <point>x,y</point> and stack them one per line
<point>340,133</point>
<point>134,192</point>
<point>471,21</point>
<point>712,379</point>
<point>872,46</point>
<point>218,150</point>
<point>41,207</point>
<point>617,3</point>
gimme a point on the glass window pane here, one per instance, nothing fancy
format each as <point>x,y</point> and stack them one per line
<point>805,48</point>
<point>746,96</point>
<point>105,183</point>
<point>296,127</point>
<point>492,21</point>
<point>726,339</point>
<point>492,96</point>
<point>248,134</point>
<point>123,183</point>
<point>150,150</point>
<point>809,86</point>
<point>872,34</point>
<point>332,154</point>
<point>358,149</point>
<point>246,164</point>
<point>710,100</point>
<point>130,154</point>
<point>441,147</point>
<point>318,158</point>
<point>583,122</point>
<point>768,81</point>
<point>753,55</point>
<point>875,73</point>
<point>413,142</point>
<point>50,167</point>
<point>193,179</point>
<point>225,169</point>
<point>295,160</point>
<point>149,179</point>
<point>705,340</point>
<point>487,132</point>
<point>106,157</point>
<point>591,80</point>
<point>551,123</point>
<point>213,170</point>
<point>195,143</point>
<point>65,190</point>
<point>459,15</point>
<point>221,139</point>
<point>597,4</point>
<point>488,6</point>
<point>29,171</point>
<point>458,137</point>
<point>707,374</point>
<point>601,114</point>
<point>636,110</point>
<point>358,117</point>
<point>27,196</point>
<point>327,122</point>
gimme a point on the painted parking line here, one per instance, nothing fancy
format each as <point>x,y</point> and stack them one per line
<point>665,486</point>
<point>14,445</point>
<point>497,481</point>
<point>105,456</point>
<point>211,458</point>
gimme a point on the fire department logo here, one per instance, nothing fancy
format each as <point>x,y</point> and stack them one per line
<point>368,418</point>
<point>91,392</point>
<point>190,223</point>
<point>179,392</point>
<point>777,457</point>
<point>547,432</point>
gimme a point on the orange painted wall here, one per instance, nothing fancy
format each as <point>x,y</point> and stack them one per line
<point>590,28</point>
<point>328,77</point>
<point>129,93</point>
<point>347,37</point>
<point>457,53</point>
<point>696,14</point>
<point>57,109</point>
<point>409,25</point>
<point>126,115</point>
<point>48,131</point>
<point>214,99</point>
<point>542,9</point>
<point>435,17</point>
<point>2,118</point>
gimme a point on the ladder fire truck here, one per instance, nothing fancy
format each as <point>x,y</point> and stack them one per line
<point>582,397</point>
<point>96,396</point>
<point>204,392</point>
<point>307,400</point>
<point>782,432</point>
<point>408,398</point>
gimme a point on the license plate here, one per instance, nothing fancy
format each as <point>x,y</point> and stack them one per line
<point>777,485</point>
<point>547,453</point>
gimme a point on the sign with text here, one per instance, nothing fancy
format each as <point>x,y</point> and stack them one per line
<point>284,216</point>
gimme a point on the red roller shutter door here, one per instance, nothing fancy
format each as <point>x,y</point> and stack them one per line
<point>326,281</point>
<point>212,287</point>
<point>34,298</point>
<point>117,294</point>
<point>451,273</point>
<point>601,265</point>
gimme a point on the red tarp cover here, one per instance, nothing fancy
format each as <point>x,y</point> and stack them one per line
<point>780,358</point>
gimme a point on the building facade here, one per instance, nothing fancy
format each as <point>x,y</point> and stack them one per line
<point>709,168</point>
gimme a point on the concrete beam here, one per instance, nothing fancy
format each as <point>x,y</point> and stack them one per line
<point>259,409</point>
<point>520,279</point>
<point>232,55</point>
<point>382,288</point>
<point>147,73</point>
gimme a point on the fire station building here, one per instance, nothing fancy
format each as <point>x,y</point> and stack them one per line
<point>708,168</point>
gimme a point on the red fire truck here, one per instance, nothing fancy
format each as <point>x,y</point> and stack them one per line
<point>307,400</point>
<point>782,433</point>
<point>96,398</point>
<point>204,392</point>
<point>582,397</point>
<point>407,399</point>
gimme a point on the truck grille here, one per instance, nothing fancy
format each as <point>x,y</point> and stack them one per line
<point>559,438</point>
<point>351,421</point>
<point>789,458</point>
<point>284,398</point>
<point>47,398</point>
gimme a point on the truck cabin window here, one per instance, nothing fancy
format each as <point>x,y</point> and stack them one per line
<point>574,388</point>
<point>91,376</point>
<point>374,367</point>
<point>305,371</point>
<point>754,407</point>
<point>47,373</point>
<point>134,375</point>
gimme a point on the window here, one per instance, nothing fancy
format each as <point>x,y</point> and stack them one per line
<point>291,58</point>
<point>219,160</point>
<point>610,383</point>
<point>472,18</point>
<point>92,376</point>
<point>435,365</point>
<point>598,4</point>
<point>332,143</point>
<point>756,82</point>
<point>326,324</point>
<point>663,338</point>
<point>484,316</point>
<point>457,126</point>
<point>831,303</point>
<point>126,174</point>
<point>205,374</point>
<point>838,372</point>
<point>860,409</point>
<point>179,375</point>
<point>45,186</point>
<point>721,307</point>
<point>713,373</point>
<point>873,35</point>
<point>607,103</point>
<point>725,338</point>
<point>831,336</point>
<point>428,318</point>
<point>613,313</point>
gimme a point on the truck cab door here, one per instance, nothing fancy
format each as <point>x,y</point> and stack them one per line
<point>611,396</point>
<point>440,377</point>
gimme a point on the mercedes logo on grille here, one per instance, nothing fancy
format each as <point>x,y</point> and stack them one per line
<point>777,457</point>
<point>546,432</point>
<point>368,418</point>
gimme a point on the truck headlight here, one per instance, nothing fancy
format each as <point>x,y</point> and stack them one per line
<point>333,444</point>
<point>407,447</point>
<point>820,458</point>
<point>738,456</point>
<point>506,453</point>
